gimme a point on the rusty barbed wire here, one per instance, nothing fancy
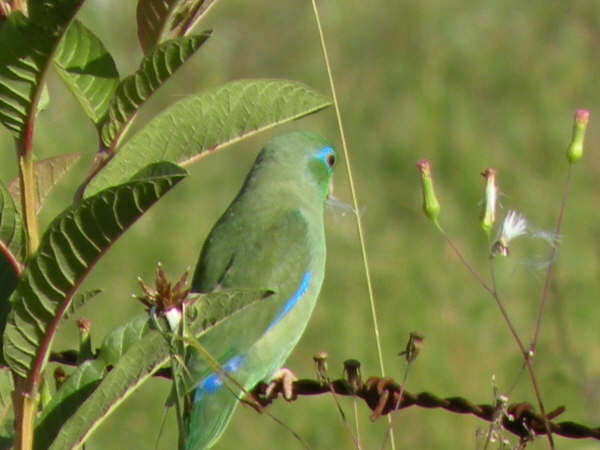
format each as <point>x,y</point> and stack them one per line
<point>382,397</point>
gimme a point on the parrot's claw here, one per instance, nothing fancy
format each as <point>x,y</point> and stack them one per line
<point>282,381</point>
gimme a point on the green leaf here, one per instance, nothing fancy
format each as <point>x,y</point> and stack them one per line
<point>207,122</point>
<point>79,301</point>
<point>146,356</point>
<point>84,379</point>
<point>152,20</point>
<point>12,251</point>
<point>116,344</point>
<point>134,90</point>
<point>25,50</point>
<point>160,20</point>
<point>72,393</point>
<point>68,250</point>
<point>27,46</point>
<point>11,229</point>
<point>44,102</point>
<point>131,372</point>
<point>87,69</point>
<point>7,413</point>
<point>48,173</point>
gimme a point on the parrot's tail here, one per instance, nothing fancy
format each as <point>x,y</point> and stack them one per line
<point>210,415</point>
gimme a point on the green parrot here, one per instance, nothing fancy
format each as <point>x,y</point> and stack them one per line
<point>271,237</point>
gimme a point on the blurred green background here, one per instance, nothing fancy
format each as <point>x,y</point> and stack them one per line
<point>468,85</point>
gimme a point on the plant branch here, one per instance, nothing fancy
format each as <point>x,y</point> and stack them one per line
<point>546,289</point>
<point>11,259</point>
<point>27,183</point>
<point>527,360</point>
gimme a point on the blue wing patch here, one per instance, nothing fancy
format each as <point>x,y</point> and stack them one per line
<point>214,382</point>
<point>292,301</point>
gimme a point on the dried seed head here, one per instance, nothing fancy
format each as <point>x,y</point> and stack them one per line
<point>320,360</point>
<point>352,370</point>
<point>165,298</point>
<point>513,226</point>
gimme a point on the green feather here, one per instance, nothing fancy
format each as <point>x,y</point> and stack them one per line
<point>271,237</point>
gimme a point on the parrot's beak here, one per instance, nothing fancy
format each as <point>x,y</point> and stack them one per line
<point>330,191</point>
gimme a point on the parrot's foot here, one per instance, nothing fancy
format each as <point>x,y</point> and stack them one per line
<point>282,382</point>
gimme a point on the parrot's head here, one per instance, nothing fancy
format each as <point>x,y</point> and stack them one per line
<point>301,160</point>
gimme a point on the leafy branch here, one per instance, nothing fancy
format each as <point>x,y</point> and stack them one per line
<point>40,277</point>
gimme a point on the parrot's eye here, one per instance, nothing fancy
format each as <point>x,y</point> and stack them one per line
<point>330,160</point>
<point>326,157</point>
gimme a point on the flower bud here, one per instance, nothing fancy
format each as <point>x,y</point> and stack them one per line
<point>85,341</point>
<point>431,206</point>
<point>173,316</point>
<point>59,377</point>
<point>490,197</point>
<point>575,150</point>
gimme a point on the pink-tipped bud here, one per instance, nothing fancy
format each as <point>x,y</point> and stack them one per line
<point>84,325</point>
<point>85,342</point>
<point>431,206</point>
<point>490,197</point>
<point>173,316</point>
<point>575,150</point>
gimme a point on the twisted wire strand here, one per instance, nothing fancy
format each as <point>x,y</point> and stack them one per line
<point>381,396</point>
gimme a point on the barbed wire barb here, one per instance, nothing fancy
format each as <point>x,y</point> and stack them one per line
<point>384,396</point>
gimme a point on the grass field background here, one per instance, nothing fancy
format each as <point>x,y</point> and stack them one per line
<point>466,84</point>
